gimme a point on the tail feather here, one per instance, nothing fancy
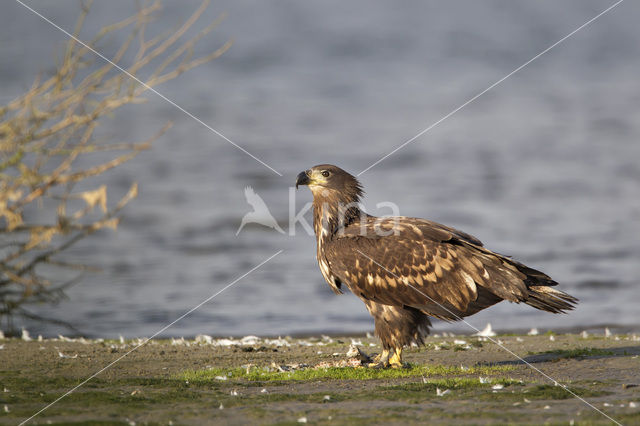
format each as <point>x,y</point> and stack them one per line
<point>550,300</point>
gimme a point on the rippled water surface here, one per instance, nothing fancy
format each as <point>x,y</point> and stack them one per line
<point>544,167</point>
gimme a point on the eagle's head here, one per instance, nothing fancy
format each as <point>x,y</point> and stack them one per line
<point>336,197</point>
<point>329,181</point>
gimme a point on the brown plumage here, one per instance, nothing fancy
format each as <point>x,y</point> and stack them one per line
<point>407,269</point>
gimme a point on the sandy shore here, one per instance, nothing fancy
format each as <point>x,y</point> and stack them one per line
<point>454,379</point>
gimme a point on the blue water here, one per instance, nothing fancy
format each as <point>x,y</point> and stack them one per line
<point>544,167</point>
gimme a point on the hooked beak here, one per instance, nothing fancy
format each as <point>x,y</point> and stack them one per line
<point>302,179</point>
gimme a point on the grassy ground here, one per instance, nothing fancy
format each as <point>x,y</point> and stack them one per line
<point>461,380</point>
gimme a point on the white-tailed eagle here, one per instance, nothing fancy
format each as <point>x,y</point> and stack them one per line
<point>407,269</point>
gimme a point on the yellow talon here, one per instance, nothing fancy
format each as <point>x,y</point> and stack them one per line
<point>381,360</point>
<point>396,359</point>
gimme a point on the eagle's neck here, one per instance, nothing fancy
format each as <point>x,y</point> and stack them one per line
<point>332,212</point>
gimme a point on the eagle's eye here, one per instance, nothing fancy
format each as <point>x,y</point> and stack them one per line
<point>326,173</point>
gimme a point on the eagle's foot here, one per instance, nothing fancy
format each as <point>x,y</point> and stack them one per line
<point>389,358</point>
<point>381,360</point>
<point>396,359</point>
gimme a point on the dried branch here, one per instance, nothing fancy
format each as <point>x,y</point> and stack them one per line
<point>47,130</point>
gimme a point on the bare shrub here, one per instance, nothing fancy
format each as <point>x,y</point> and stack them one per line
<point>49,152</point>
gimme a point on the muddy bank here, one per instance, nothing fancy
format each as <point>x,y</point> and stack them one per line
<point>454,379</point>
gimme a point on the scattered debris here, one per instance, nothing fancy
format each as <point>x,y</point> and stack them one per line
<point>357,353</point>
<point>352,362</point>
<point>487,331</point>
<point>180,342</point>
<point>221,407</point>
<point>250,340</point>
<point>326,398</point>
<point>25,335</point>
<point>277,342</point>
<point>584,334</point>
<point>6,408</point>
<point>552,338</point>
<point>264,390</point>
<point>278,367</point>
<point>61,355</point>
<point>547,407</point>
<point>223,378</point>
<point>607,332</point>
<point>203,338</point>
<point>519,339</point>
<point>631,405</point>
<point>234,393</point>
<point>287,367</point>
<point>302,420</point>
<point>629,385</point>
<point>533,332</point>
<point>497,387</point>
<point>442,392</point>
<point>78,340</point>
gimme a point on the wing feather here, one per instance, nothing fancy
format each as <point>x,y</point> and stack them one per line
<point>422,265</point>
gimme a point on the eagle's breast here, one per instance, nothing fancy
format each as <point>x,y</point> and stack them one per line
<point>325,267</point>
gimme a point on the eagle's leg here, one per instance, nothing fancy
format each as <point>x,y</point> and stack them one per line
<point>396,327</point>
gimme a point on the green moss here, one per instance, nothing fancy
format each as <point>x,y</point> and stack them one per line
<point>91,423</point>
<point>542,392</point>
<point>456,383</point>
<point>558,392</point>
<point>335,373</point>
<point>467,388</point>
<point>578,352</point>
